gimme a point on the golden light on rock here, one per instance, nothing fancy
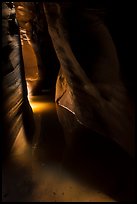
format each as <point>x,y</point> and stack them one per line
<point>20,145</point>
<point>39,107</point>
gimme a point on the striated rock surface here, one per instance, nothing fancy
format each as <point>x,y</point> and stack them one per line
<point>16,111</point>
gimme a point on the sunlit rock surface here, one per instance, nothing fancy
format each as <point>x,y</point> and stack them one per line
<point>89,84</point>
<point>32,19</point>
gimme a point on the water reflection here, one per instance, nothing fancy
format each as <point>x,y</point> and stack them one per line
<point>39,106</point>
<point>37,171</point>
<point>47,170</point>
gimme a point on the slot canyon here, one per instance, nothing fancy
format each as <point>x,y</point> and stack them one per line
<point>68,102</point>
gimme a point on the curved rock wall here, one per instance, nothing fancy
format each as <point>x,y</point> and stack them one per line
<point>16,111</point>
<point>89,84</point>
<point>31,18</point>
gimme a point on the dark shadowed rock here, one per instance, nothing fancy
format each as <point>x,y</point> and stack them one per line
<point>89,84</point>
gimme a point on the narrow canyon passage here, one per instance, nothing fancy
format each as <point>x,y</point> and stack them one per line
<point>60,160</point>
<point>46,170</point>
